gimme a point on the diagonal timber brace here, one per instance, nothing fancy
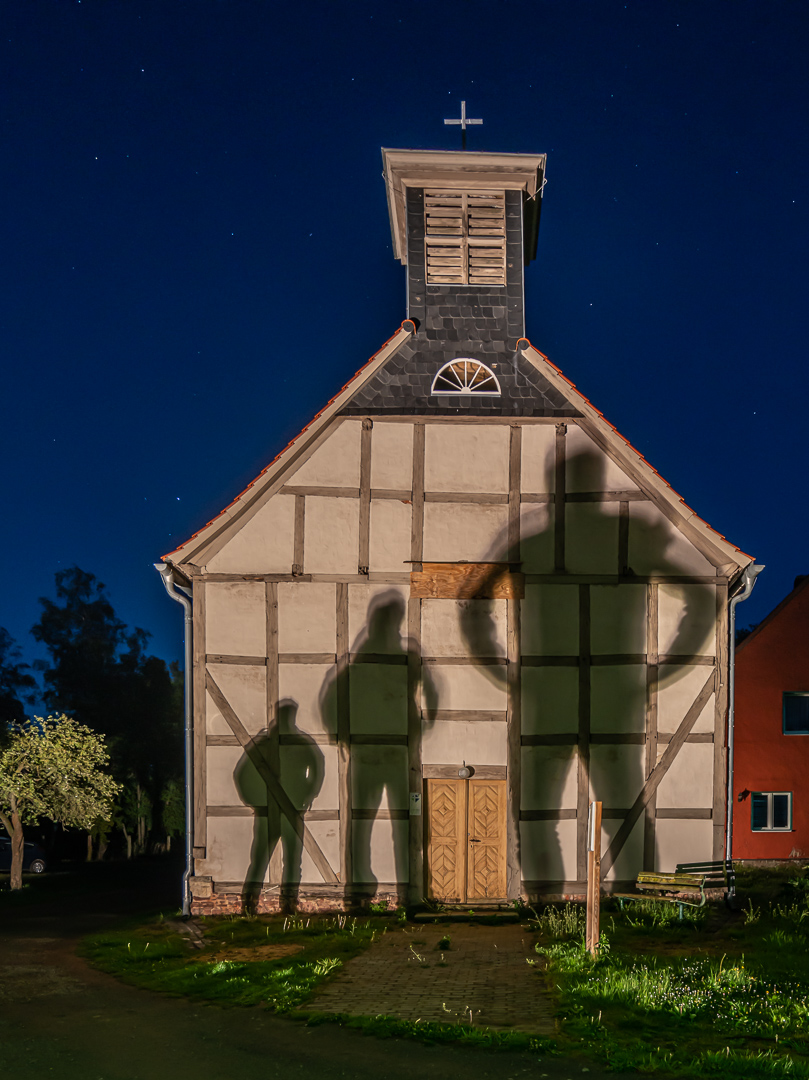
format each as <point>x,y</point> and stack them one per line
<point>658,772</point>
<point>274,788</point>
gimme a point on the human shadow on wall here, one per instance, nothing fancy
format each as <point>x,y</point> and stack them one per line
<point>303,772</point>
<point>551,686</point>
<point>374,689</point>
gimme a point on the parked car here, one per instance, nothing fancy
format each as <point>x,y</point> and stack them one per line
<point>33,858</point>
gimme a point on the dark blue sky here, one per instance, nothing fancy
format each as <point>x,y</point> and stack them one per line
<point>196,251</point>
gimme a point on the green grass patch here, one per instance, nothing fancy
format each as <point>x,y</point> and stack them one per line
<point>432,1033</point>
<point>720,994</point>
<point>275,961</point>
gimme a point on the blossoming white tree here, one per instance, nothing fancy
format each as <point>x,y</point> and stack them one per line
<point>52,767</point>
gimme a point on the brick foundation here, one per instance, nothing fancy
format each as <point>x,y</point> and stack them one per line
<point>270,902</point>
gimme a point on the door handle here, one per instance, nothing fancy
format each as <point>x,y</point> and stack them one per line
<point>471,841</point>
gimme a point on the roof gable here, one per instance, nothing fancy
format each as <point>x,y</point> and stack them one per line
<point>397,381</point>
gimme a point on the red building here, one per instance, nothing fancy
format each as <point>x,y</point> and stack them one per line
<point>771,815</point>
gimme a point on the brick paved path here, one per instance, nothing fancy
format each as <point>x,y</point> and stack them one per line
<point>404,974</point>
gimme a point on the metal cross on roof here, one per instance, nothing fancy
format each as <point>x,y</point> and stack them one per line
<point>464,121</point>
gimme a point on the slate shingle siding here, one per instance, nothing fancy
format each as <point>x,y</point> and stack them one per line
<point>482,322</point>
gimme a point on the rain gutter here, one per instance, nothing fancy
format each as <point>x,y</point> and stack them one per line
<point>748,580</point>
<point>183,596</point>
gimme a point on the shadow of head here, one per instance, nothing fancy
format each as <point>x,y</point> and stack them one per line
<point>384,621</point>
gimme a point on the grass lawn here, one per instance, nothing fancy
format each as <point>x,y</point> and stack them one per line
<point>719,994</point>
<point>275,961</point>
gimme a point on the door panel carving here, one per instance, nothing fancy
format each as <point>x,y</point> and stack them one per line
<point>465,828</point>
<point>446,832</point>
<point>486,877</point>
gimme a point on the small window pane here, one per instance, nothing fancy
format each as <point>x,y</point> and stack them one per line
<point>780,811</point>
<point>759,810</point>
<point>796,714</point>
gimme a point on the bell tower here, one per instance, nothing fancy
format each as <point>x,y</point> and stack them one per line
<point>465,225</point>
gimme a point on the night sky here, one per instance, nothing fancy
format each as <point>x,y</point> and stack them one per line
<point>196,250</point>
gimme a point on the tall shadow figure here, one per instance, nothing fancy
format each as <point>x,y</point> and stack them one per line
<point>374,688</point>
<point>302,779</point>
<point>618,693</point>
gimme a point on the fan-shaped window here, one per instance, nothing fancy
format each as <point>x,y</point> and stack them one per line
<point>466,377</point>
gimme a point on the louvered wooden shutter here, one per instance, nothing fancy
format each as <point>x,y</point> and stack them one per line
<point>465,237</point>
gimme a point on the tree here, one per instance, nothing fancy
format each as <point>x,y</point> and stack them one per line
<point>52,768</point>
<point>16,684</point>
<point>172,800</point>
<point>100,672</point>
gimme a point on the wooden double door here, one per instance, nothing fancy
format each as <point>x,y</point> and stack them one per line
<point>465,840</point>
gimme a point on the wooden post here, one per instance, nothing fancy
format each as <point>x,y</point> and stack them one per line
<point>593,878</point>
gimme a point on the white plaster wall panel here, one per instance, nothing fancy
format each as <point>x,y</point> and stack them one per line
<point>379,777</point>
<point>336,462</point>
<point>263,545</point>
<point>378,696</point>
<point>327,836</point>
<point>538,471</point>
<point>331,535</point>
<point>221,786</point>
<point>228,848</point>
<point>306,617</point>
<point>389,540</point>
<point>303,768</point>
<point>549,778</point>
<point>548,850</point>
<point>656,546</point>
<point>466,457</point>
<point>617,619</point>
<point>366,601</point>
<point>591,537</point>
<point>245,689</point>
<point>463,627</point>
<point>462,531</point>
<point>537,538</point>
<point>618,698</point>
<point>215,723</point>
<point>630,859</point>
<point>380,850</point>
<point>392,456</point>
<point>236,619</point>
<point>477,742</point>
<point>311,687</point>
<point>689,781</point>
<point>677,693</point>
<point>550,700</point>
<point>682,841</point>
<point>617,774</point>
<point>472,687</point>
<point>550,620</point>
<point>687,620</point>
<point>589,468</point>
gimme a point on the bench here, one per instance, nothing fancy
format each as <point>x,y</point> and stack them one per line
<point>685,887</point>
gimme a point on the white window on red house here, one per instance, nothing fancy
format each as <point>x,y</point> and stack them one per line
<point>796,713</point>
<point>771,811</point>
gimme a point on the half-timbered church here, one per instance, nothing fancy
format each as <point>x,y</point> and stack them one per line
<point>455,609</point>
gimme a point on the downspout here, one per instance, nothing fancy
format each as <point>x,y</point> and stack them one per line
<point>748,580</point>
<point>180,594</point>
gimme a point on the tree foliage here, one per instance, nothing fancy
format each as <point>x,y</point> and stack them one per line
<point>16,684</point>
<point>52,767</point>
<point>99,671</point>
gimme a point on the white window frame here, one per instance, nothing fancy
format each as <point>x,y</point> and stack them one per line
<point>465,380</point>
<point>769,827</point>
